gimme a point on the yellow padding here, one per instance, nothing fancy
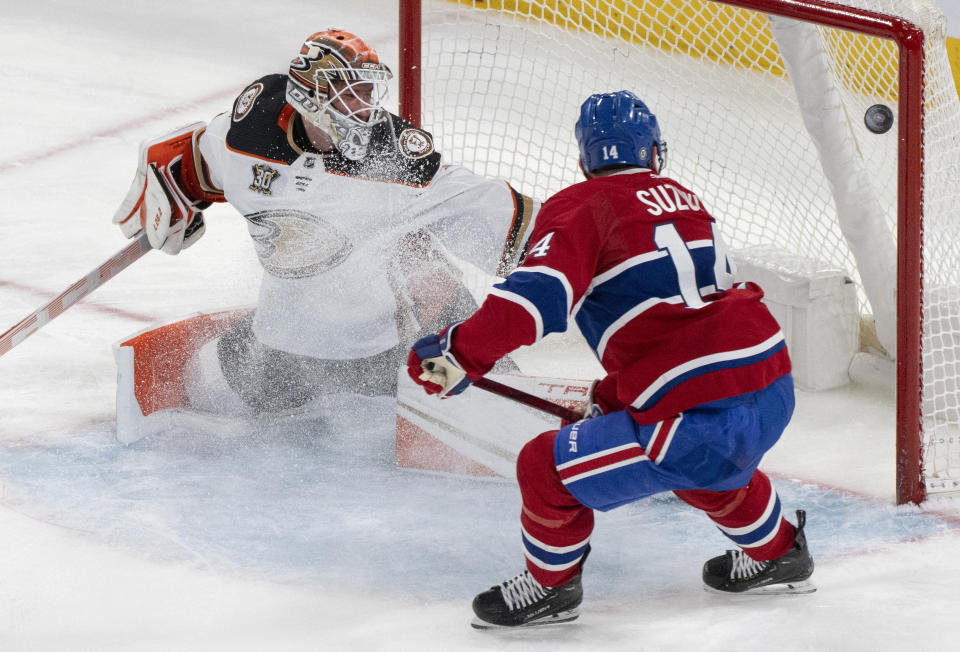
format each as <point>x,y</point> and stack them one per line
<point>709,30</point>
<point>699,29</point>
<point>953,53</point>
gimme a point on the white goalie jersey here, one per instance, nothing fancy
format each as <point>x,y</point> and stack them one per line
<point>325,227</point>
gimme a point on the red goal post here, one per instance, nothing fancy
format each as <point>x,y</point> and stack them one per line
<point>909,41</point>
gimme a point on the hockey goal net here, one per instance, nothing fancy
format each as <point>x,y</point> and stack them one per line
<point>764,107</point>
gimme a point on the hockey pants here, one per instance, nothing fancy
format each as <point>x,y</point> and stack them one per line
<point>707,456</point>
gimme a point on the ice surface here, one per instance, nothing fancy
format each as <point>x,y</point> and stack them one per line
<point>302,534</point>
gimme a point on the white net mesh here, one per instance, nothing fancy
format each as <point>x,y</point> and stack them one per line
<point>503,81</point>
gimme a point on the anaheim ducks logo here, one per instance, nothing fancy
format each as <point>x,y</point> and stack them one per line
<point>296,244</point>
<point>415,143</point>
<point>306,68</point>
<point>246,101</point>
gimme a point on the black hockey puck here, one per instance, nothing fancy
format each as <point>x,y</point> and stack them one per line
<point>878,118</point>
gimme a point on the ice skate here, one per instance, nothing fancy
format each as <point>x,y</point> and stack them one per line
<point>524,602</point>
<point>735,572</point>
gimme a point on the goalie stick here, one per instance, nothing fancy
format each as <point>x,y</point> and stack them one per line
<point>520,396</point>
<point>84,286</point>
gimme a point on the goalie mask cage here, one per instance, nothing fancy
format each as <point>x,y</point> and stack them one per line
<point>762,104</point>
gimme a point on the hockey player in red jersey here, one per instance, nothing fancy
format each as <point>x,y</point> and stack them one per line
<point>345,203</point>
<point>698,383</point>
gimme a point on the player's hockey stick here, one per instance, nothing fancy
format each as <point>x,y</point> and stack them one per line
<point>520,396</point>
<point>110,268</point>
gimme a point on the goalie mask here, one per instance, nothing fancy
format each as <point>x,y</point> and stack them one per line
<point>338,83</point>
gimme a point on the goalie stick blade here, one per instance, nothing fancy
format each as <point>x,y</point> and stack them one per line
<point>786,588</point>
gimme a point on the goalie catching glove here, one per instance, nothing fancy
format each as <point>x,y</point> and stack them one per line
<point>165,198</point>
<point>432,366</point>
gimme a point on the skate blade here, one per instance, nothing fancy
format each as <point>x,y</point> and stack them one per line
<point>554,619</point>
<point>786,588</point>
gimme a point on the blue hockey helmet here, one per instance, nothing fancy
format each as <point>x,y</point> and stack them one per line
<point>618,129</point>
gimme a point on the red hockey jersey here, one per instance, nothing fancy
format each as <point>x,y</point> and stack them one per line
<point>635,258</point>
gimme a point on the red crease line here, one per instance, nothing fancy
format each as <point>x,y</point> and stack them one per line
<point>36,157</point>
<point>97,307</point>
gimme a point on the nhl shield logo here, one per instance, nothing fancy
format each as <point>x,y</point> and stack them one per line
<point>415,143</point>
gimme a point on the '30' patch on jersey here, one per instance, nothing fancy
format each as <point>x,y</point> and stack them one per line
<point>263,176</point>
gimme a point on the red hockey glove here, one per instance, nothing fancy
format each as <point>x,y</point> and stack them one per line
<point>158,201</point>
<point>432,366</point>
